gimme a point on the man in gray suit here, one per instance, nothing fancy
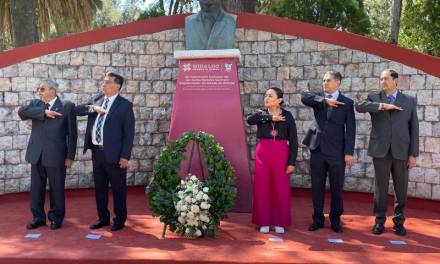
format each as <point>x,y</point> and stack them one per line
<point>50,151</point>
<point>394,146</point>
<point>211,28</point>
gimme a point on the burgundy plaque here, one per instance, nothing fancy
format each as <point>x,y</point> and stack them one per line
<point>208,98</point>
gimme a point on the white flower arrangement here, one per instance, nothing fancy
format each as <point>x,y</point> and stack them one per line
<point>192,207</point>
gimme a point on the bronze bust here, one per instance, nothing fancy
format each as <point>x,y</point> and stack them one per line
<point>211,28</point>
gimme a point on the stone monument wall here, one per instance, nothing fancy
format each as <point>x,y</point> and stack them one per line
<point>268,59</point>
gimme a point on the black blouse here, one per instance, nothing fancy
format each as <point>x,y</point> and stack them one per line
<point>286,129</point>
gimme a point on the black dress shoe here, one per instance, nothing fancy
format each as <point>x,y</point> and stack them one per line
<point>399,230</point>
<point>116,227</point>
<point>337,229</point>
<point>378,229</point>
<point>99,224</point>
<point>35,224</point>
<point>315,226</point>
<point>55,225</point>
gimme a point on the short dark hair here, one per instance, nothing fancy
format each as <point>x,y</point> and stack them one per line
<point>336,75</point>
<point>279,93</point>
<point>118,78</point>
<point>393,73</point>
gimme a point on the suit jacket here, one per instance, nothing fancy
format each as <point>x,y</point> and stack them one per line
<point>222,34</point>
<point>118,128</point>
<point>54,140</point>
<point>398,130</point>
<point>334,129</point>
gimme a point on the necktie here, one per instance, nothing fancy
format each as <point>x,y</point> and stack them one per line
<point>391,99</point>
<point>98,135</point>
<point>209,22</point>
<point>329,109</point>
<point>47,106</point>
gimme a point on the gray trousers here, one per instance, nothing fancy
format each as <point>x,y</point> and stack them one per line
<point>398,169</point>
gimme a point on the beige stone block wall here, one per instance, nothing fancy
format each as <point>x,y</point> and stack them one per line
<point>147,62</point>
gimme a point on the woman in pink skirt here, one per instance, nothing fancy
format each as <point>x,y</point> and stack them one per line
<point>275,158</point>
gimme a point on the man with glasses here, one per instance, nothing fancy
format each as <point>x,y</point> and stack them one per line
<point>50,151</point>
<point>109,134</point>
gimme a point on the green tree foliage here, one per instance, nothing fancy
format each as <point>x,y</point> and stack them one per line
<point>114,12</point>
<point>347,15</point>
<point>420,26</point>
<point>379,12</point>
<point>154,11</point>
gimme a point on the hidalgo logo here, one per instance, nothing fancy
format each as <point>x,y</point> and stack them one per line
<point>228,67</point>
<point>187,67</point>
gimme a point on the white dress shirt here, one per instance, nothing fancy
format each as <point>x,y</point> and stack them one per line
<point>334,95</point>
<point>52,102</point>
<point>109,105</point>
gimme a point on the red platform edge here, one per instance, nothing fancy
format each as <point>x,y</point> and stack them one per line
<point>426,63</point>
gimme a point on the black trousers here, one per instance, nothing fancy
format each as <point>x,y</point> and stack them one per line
<point>320,166</point>
<point>103,174</point>
<point>398,169</point>
<point>57,178</point>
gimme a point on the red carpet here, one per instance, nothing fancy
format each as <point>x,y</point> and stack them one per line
<point>239,241</point>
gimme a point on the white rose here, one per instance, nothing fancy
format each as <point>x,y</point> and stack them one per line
<point>190,215</point>
<point>183,214</point>
<point>183,208</point>
<point>199,196</point>
<point>205,189</point>
<point>198,233</point>
<point>187,231</point>
<point>204,205</point>
<point>181,220</point>
<point>195,209</point>
<point>193,178</point>
<point>204,227</point>
<point>188,199</point>
<point>193,200</point>
<point>205,197</point>
<point>195,190</point>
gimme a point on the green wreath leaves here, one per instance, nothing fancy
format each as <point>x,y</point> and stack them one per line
<point>161,191</point>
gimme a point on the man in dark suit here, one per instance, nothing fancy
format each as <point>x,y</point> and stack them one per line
<point>50,151</point>
<point>331,143</point>
<point>109,134</point>
<point>394,146</point>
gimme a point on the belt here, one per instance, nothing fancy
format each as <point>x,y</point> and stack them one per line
<point>98,147</point>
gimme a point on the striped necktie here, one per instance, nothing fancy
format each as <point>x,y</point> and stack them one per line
<point>98,135</point>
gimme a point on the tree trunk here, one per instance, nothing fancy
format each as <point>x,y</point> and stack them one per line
<point>176,7</point>
<point>170,10</point>
<point>24,23</point>
<point>396,11</point>
<point>161,5</point>
<point>239,5</point>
